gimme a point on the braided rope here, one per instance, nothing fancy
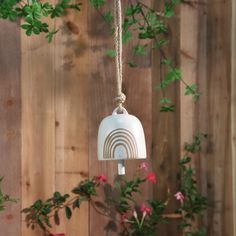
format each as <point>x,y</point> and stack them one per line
<point>120,99</point>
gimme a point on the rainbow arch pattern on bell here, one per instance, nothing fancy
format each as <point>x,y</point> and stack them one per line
<point>120,143</point>
<point>121,137</point>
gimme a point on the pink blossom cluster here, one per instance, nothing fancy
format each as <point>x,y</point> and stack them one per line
<point>180,197</point>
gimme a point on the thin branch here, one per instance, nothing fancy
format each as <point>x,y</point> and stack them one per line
<point>172,216</point>
<point>163,54</point>
<point>149,8</point>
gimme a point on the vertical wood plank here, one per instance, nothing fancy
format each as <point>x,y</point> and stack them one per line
<point>102,90</point>
<point>101,103</point>
<point>215,117</point>
<point>189,31</point>
<point>72,98</point>
<point>201,112</point>
<point>137,86</point>
<point>10,124</point>
<point>212,54</point>
<point>38,121</point>
<point>165,125</point>
<point>233,110</point>
<point>189,52</point>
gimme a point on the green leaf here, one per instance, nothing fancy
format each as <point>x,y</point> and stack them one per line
<point>192,90</point>
<point>26,26</point>
<point>76,6</point>
<point>166,62</point>
<point>76,203</point>
<point>168,10</point>
<point>133,9</point>
<point>68,212</point>
<point>51,34</point>
<point>111,53</point>
<point>132,64</point>
<point>97,3</point>
<point>38,204</point>
<point>29,19</point>
<point>36,31</point>
<point>127,36</point>
<point>108,17</point>
<point>165,100</point>
<point>169,7</point>
<point>41,225</point>
<point>185,160</point>
<point>66,196</point>
<point>57,195</point>
<point>160,43</point>
<point>174,74</point>
<point>47,222</point>
<point>195,146</point>
<point>56,218</point>
<point>140,49</point>
<point>167,108</point>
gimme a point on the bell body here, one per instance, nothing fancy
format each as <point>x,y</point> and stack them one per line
<point>121,137</point>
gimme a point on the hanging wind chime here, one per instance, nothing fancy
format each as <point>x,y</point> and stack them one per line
<point>120,136</point>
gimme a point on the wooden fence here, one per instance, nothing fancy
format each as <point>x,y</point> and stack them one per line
<point>53,96</point>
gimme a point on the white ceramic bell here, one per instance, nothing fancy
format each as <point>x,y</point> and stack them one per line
<point>121,137</point>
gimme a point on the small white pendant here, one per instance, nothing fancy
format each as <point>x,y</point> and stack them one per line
<point>121,137</point>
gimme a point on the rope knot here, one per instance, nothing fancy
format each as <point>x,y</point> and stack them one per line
<point>120,99</point>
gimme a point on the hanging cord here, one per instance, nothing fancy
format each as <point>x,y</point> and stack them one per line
<point>120,99</point>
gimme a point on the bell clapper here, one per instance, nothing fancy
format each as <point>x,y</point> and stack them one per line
<point>121,167</point>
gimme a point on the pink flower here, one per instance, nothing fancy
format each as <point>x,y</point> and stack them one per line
<point>144,166</point>
<point>145,210</point>
<point>102,178</point>
<point>152,177</point>
<point>180,197</point>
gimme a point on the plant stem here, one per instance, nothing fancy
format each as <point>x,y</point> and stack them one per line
<point>162,52</point>
<point>149,8</point>
<point>172,216</point>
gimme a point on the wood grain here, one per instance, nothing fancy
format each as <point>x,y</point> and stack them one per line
<point>166,125</point>
<point>233,110</point>
<point>189,31</point>
<point>71,112</point>
<point>217,116</point>
<point>10,124</point>
<point>38,121</point>
<point>201,112</point>
<point>101,91</point>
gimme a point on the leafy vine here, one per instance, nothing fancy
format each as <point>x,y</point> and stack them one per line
<point>32,12</point>
<point>151,28</point>
<point>120,204</point>
<point>148,24</point>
